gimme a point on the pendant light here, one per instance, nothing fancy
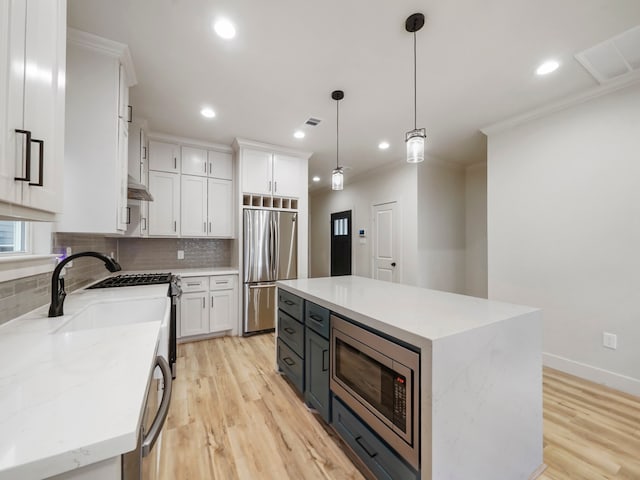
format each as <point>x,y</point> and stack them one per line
<point>416,137</point>
<point>337,176</point>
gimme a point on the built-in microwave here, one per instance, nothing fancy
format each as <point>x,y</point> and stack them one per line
<point>379,380</point>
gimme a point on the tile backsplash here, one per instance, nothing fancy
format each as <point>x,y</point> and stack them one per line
<point>25,294</point>
<point>162,253</point>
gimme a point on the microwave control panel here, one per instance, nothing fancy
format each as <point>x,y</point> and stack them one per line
<point>400,403</point>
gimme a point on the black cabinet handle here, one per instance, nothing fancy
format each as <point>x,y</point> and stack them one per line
<point>325,367</point>
<point>289,302</point>
<point>144,153</point>
<point>128,221</point>
<point>316,318</point>
<point>27,157</point>
<point>130,108</point>
<point>288,361</point>
<point>40,163</point>
<point>289,330</point>
<point>393,264</point>
<point>363,444</point>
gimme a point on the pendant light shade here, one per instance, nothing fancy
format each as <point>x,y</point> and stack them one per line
<point>337,176</point>
<point>337,179</point>
<point>415,138</point>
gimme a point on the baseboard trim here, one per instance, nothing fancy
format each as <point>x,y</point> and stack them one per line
<point>594,374</point>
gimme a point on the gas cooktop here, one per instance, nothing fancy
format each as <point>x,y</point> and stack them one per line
<point>133,280</point>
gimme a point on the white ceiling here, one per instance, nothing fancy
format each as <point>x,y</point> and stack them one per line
<point>476,63</point>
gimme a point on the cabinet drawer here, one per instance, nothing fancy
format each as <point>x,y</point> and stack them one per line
<point>291,332</point>
<point>292,365</point>
<point>291,304</point>
<point>317,318</point>
<point>381,460</point>
<point>222,282</point>
<point>194,284</point>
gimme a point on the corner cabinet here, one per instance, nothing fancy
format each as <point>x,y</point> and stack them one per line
<point>99,74</point>
<point>32,105</point>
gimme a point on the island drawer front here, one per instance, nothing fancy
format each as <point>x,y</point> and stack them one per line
<point>381,460</point>
<point>292,365</point>
<point>222,282</point>
<point>291,304</point>
<point>291,332</point>
<point>194,284</point>
<point>317,318</point>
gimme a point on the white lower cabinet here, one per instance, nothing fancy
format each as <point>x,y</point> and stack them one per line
<point>208,305</point>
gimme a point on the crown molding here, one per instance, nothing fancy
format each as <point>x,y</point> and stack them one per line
<point>577,99</point>
<point>239,143</point>
<point>106,47</point>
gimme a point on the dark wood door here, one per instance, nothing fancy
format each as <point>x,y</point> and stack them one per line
<point>341,243</point>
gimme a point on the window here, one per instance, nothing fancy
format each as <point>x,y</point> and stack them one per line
<point>13,237</point>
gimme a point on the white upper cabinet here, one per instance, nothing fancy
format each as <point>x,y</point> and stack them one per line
<point>99,74</point>
<point>220,165</point>
<point>32,103</point>
<point>164,211</point>
<point>194,161</point>
<point>286,176</point>
<point>193,215</point>
<point>256,171</point>
<point>272,173</point>
<point>164,157</point>
<point>220,209</point>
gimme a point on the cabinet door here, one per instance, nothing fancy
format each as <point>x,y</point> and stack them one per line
<point>194,161</point>
<point>256,172</point>
<point>193,216</point>
<point>220,209</point>
<point>287,178</point>
<point>124,217</point>
<point>45,52</point>
<point>164,157</point>
<point>164,211</point>
<point>220,165</point>
<point>316,364</point>
<point>223,307</point>
<point>194,314</point>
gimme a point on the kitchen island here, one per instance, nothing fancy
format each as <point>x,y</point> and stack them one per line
<point>480,402</point>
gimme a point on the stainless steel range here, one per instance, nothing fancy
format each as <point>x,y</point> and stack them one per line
<point>140,279</point>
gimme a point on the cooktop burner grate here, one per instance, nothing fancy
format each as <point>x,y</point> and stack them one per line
<point>133,280</point>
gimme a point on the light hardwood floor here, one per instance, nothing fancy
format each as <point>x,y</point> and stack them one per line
<point>233,417</point>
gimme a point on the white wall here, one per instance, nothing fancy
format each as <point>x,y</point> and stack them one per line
<point>564,232</point>
<point>476,230</point>
<point>441,226</point>
<point>394,183</point>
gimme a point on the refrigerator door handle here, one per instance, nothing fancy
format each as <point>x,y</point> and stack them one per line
<point>268,285</point>
<point>276,245</point>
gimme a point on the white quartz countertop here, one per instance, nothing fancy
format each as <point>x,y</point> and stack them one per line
<point>407,312</point>
<point>72,399</point>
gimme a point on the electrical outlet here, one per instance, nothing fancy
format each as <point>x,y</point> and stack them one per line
<point>609,340</point>
<point>180,254</point>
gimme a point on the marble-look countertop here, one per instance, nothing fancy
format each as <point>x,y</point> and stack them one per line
<point>72,399</point>
<point>406,311</point>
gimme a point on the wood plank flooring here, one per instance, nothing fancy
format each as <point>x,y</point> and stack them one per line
<point>233,417</point>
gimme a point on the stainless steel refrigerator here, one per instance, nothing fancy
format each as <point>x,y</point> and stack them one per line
<point>270,254</point>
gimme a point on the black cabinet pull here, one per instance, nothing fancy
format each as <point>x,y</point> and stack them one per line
<point>393,264</point>
<point>288,361</point>
<point>128,221</point>
<point>289,302</point>
<point>317,318</point>
<point>40,163</point>
<point>289,330</point>
<point>363,444</point>
<point>130,108</point>
<point>325,367</point>
<point>27,157</point>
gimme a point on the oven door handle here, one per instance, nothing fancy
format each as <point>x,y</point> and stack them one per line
<point>158,422</point>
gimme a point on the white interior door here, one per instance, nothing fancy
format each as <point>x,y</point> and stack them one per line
<point>386,242</point>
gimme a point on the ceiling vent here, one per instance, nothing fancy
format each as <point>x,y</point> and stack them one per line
<point>312,121</point>
<point>613,58</point>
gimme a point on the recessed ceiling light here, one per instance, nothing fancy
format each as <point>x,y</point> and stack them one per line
<point>316,178</point>
<point>383,145</point>
<point>547,67</point>
<point>224,28</point>
<point>298,134</point>
<point>207,112</point>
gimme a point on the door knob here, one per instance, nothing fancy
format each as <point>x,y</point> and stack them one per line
<point>393,264</point>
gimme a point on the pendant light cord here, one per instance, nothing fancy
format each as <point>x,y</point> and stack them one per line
<point>415,85</point>
<point>337,133</point>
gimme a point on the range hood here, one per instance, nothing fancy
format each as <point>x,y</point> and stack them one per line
<point>137,191</point>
